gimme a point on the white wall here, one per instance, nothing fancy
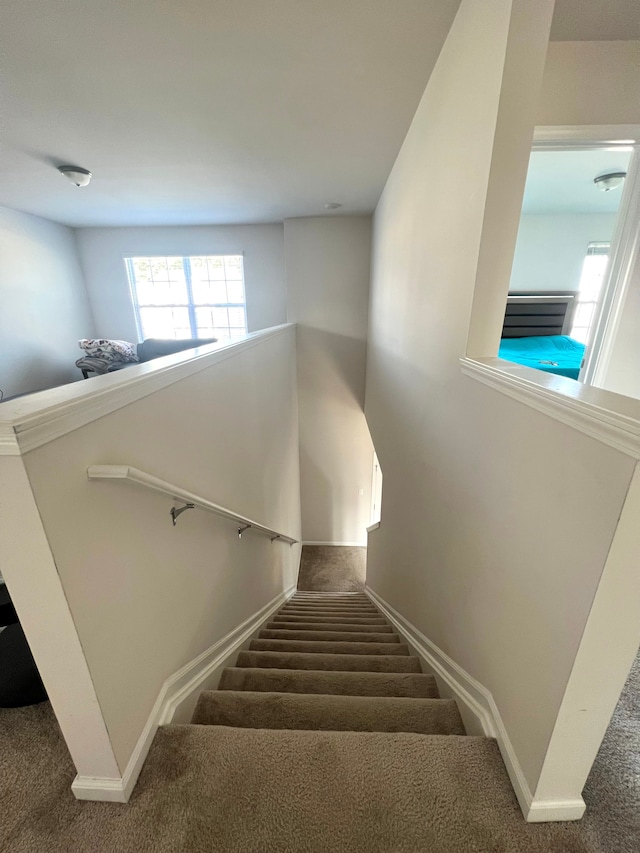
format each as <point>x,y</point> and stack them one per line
<point>590,83</point>
<point>328,266</point>
<point>44,307</point>
<point>496,519</point>
<point>623,371</point>
<point>551,249</point>
<point>146,598</point>
<point>102,251</point>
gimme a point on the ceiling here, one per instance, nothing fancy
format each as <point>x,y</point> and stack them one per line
<point>220,111</point>
<point>562,181</point>
<point>210,111</point>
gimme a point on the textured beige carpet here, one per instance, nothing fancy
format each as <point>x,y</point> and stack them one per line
<point>332,568</point>
<point>266,771</point>
<point>329,648</point>
<point>337,683</point>
<point>328,713</point>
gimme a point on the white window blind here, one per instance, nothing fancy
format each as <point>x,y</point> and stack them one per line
<point>593,272</point>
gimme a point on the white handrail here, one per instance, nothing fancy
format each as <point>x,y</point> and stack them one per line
<point>134,475</point>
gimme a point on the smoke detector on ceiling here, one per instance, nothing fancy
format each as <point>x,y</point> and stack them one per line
<point>76,174</point>
<point>610,181</point>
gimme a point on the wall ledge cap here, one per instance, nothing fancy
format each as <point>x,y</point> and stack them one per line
<point>36,419</point>
<point>610,418</point>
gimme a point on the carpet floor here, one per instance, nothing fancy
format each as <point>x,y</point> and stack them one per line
<point>331,760</point>
<point>330,568</point>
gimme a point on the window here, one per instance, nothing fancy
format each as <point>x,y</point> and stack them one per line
<point>593,271</point>
<point>195,297</point>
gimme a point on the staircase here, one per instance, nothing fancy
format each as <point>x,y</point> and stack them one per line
<point>329,662</point>
<point>326,737</point>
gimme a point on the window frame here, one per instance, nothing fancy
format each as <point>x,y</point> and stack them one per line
<point>190,305</point>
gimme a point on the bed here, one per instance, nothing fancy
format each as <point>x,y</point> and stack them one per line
<point>535,333</point>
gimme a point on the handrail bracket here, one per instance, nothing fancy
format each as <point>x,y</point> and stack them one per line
<point>175,513</point>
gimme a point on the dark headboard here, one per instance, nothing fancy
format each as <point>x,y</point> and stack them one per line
<point>531,314</point>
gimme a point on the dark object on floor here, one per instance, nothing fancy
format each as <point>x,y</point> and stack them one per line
<point>8,615</point>
<point>20,682</point>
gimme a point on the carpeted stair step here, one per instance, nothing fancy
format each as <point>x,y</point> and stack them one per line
<point>329,713</point>
<point>308,618</point>
<point>333,636</point>
<point>240,790</point>
<point>302,602</point>
<point>416,685</point>
<point>315,608</point>
<point>351,663</point>
<point>314,593</point>
<point>320,647</point>
<point>298,602</point>
<point>330,601</point>
<point>363,628</point>
<point>336,615</point>
<point>312,615</point>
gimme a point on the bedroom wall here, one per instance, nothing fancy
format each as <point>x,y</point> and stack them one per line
<point>102,251</point>
<point>328,267</point>
<point>590,82</point>
<point>44,306</point>
<point>471,476</point>
<point>551,248</point>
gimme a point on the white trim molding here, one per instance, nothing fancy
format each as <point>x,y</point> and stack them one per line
<point>36,419</point>
<point>585,136</point>
<point>373,527</point>
<point>178,689</point>
<point>610,418</point>
<point>478,701</point>
<point>625,243</point>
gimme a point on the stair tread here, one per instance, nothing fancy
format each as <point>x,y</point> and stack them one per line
<point>342,791</point>
<point>319,661</point>
<point>383,628</point>
<point>333,618</point>
<point>257,710</point>
<point>315,593</point>
<point>330,600</point>
<point>334,608</point>
<point>317,681</point>
<point>328,646</point>
<point>353,599</point>
<point>348,636</point>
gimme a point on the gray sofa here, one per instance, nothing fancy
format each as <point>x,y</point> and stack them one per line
<point>149,349</point>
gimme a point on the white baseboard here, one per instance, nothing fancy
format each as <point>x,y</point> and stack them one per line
<point>343,544</point>
<point>183,687</point>
<point>476,701</point>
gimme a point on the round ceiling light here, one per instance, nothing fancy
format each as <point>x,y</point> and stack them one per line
<point>610,181</point>
<point>78,176</point>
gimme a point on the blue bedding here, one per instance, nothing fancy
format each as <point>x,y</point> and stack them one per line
<point>557,354</point>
